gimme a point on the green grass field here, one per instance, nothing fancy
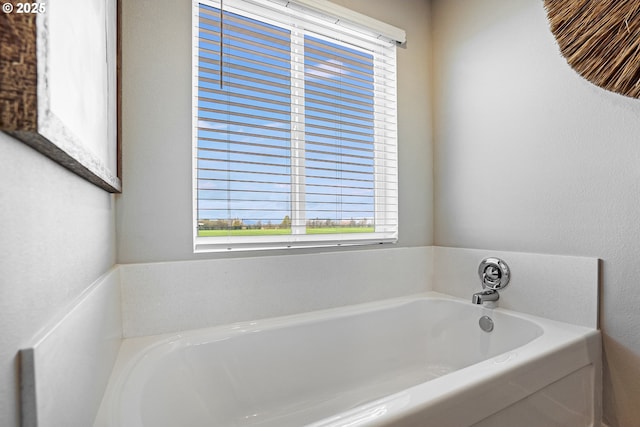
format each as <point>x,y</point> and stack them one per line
<point>336,230</point>
<point>283,231</point>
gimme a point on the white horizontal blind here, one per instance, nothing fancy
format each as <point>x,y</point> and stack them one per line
<point>294,130</point>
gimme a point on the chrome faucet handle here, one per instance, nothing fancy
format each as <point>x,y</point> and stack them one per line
<point>494,273</point>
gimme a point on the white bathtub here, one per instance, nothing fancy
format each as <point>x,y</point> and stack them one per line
<point>414,361</point>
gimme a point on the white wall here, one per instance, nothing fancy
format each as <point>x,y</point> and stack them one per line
<point>154,211</point>
<point>531,157</point>
<point>57,236</point>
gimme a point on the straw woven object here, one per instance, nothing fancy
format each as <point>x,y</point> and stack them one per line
<point>600,39</point>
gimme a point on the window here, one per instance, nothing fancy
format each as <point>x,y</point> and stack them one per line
<point>294,128</point>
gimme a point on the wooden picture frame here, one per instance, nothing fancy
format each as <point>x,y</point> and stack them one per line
<point>59,83</point>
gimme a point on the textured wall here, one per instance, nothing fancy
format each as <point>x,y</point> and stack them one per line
<point>531,157</point>
<point>57,237</point>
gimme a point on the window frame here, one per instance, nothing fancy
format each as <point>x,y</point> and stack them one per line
<point>384,189</point>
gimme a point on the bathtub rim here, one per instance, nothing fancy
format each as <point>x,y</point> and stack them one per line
<point>556,337</point>
<point>255,325</point>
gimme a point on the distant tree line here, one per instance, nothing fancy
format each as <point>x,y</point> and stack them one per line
<point>329,223</point>
<point>239,224</point>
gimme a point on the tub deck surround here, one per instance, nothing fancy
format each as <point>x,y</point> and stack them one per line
<point>66,368</point>
<point>410,361</point>
<point>140,300</point>
<point>182,295</point>
<point>556,287</point>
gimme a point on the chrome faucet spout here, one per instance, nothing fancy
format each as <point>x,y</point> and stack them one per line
<point>488,295</point>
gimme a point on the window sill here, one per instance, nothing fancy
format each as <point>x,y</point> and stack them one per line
<point>260,243</point>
